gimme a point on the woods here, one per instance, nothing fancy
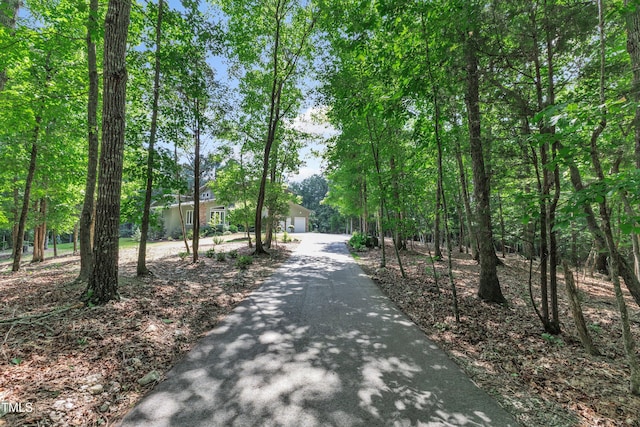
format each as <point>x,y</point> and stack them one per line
<point>490,128</point>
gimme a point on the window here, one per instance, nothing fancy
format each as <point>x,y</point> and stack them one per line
<point>216,217</point>
<point>189,218</point>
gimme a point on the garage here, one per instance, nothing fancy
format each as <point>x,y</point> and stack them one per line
<point>299,224</point>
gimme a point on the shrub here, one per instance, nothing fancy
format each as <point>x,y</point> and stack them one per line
<point>183,255</point>
<point>233,228</point>
<point>210,253</point>
<point>189,234</point>
<point>358,241</point>
<point>233,254</point>
<point>221,256</point>
<point>136,235</point>
<point>285,237</point>
<point>217,240</point>
<point>244,262</point>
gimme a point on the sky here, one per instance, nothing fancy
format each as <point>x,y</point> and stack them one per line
<point>310,121</point>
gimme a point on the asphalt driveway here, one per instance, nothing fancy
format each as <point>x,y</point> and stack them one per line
<point>317,345</point>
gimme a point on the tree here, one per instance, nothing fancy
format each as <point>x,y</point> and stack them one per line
<point>144,228</point>
<point>272,66</point>
<point>87,216</point>
<point>489,287</point>
<point>103,282</point>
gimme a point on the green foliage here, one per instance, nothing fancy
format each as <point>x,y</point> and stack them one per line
<point>552,339</point>
<point>233,254</point>
<point>217,240</point>
<point>210,253</point>
<point>183,255</point>
<point>137,235</point>
<point>221,256</point>
<point>243,262</point>
<point>358,241</point>
<point>233,229</point>
<point>285,237</point>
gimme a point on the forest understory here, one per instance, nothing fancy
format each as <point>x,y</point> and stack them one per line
<point>68,365</point>
<point>89,366</point>
<point>542,379</point>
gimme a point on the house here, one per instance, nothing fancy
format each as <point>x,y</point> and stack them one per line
<point>212,211</point>
<point>298,218</point>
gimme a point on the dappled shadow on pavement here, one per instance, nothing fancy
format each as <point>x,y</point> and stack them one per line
<point>317,345</point>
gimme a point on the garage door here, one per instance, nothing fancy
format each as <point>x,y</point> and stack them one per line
<point>300,224</point>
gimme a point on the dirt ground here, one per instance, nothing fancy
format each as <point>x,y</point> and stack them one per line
<point>62,364</point>
<point>544,380</point>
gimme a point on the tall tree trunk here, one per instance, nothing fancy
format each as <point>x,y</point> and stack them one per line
<point>22,223</point>
<point>473,241</point>
<point>141,269</point>
<point>87,216</point>
<point>8,14</point>
<point>489,288</point>
<point>633,47</point>
<point>196,184</point>
<point>629,341</point>
<point>103,282</point>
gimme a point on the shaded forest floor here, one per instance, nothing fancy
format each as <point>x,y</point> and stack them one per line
<point>543,380</point>
<point>67,365</point>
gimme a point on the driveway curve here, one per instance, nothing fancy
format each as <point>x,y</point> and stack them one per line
<point>318,344</point>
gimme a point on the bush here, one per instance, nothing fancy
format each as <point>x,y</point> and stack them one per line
<point>233,254</point>
<point>221,256</point>
<point>358,241</point>
<point>210,253</point>
<point>217,240</point>
<point>285,237</point>
<point>136,235</point>
<point>183,255</point>
<point>244,262</point>
<point>233,228</point>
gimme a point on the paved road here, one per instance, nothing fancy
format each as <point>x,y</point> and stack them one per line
<point>317,345</point>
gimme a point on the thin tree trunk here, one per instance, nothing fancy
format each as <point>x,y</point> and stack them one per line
<point>473,241</point>
<point>103,282</point>
<point>55,243</point>
<point>75,238</point>
<point>383,258</point>
<point>182,225</point>
<point>576,310</point>
<point>17,249</point>
<point>87,217</point>
<point>40,232</point>
<point>629,341</point>
<point>196,183</point>
<point>489,288</point>
<point>502,232</point>
<point>142,269</point>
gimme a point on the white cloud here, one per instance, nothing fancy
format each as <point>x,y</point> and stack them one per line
<point>314,121</point>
